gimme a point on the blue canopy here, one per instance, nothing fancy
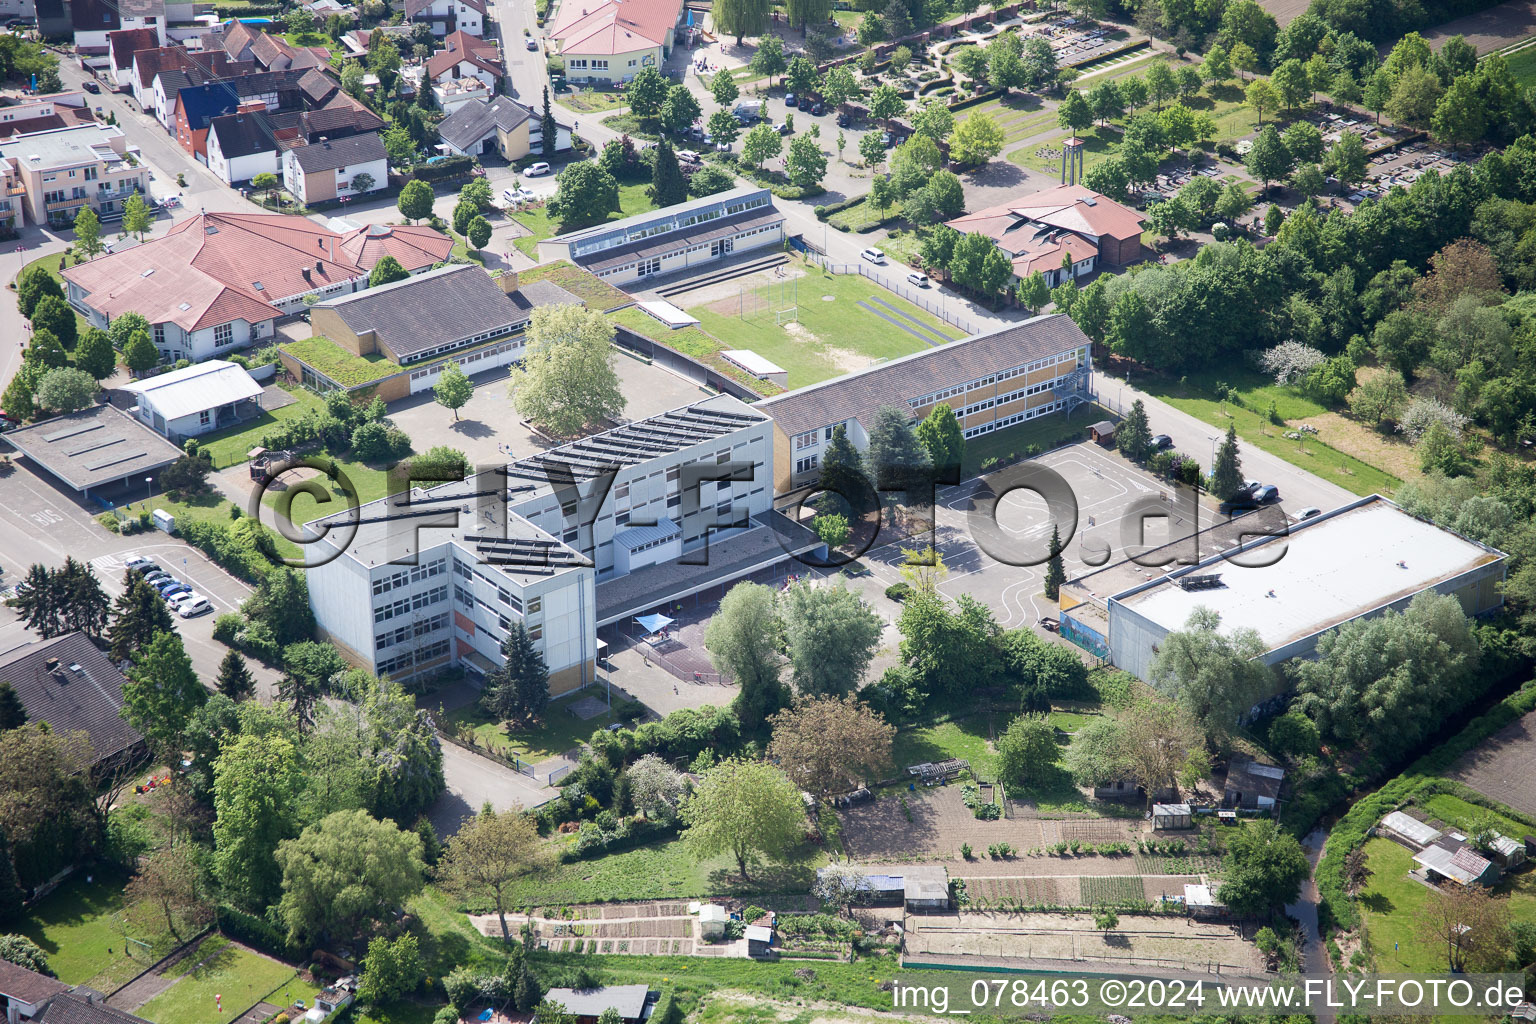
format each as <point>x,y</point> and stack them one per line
<point>690,19</point>
<point>653,623</point>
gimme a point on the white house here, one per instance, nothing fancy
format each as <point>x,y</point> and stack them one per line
<point>447,16</point>
<point>332,169</point>
<point>241,146</point>
<point>195,400</point>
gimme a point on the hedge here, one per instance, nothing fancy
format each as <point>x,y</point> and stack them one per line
<point>1335,907</point>
<point>451,167</point>
<point>253,931</point>
<point>236,547</point>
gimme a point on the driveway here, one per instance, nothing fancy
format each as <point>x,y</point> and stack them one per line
<point>473,781</point>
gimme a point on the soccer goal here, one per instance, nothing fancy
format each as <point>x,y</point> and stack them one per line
<point>777,299</point>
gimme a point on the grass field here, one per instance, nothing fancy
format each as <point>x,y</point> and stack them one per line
<point>562,730</point>
<point>79,927</point>
<point>588,287</point>
<point>218,967</point>
<point>632,200</point>
<point>690,341</point>
<point>834,335</point>
<point>1522,65</point>
<point>966,738</point>
<point>1453,810</point>
<point>1196,395</point>
<point>1046,432</point>
<point>229,447</point>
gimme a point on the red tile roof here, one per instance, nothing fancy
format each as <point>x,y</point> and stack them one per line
<point>124,43</point>
<point>413,245</point>
<point>461,46</point>
<point>1063,206</point>
<point>614,26</point>
<point>1045,254</point>
<point>205,270</point>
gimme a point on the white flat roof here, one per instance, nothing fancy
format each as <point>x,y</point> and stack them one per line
<point>1335,567</point>
<point>751,361</point>
<point>667,313</point>
<point>195,388</point>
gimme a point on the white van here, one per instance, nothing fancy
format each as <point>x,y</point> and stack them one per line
<point>874,256</point>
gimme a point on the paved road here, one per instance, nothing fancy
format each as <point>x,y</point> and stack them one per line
<point>1195,437</point>
<point>473,780</point>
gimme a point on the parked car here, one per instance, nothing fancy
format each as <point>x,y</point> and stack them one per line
<point>783,129</point>
<point>791,100</point>
<point>917,278</point>
<point>171,202</point>
<point>1302,515</point>
<point>887,139</point>
<point>1161,441</point>
<point>181,597</point>
<point>745,114</point>
<point>157,577</point>
<point>139,564</point>
<point>531,44</point>
<point>537,170</point>
<point>688,156</point>
<point>193,607</point>
<point>166,586</point>
<point>845,120</point>
<point>91,86</point>
<point>1253,485</point>
<point>818,108</point>
<point>169,592</point>
<point>1238,505</point>
<point>1266,494</point>
<point>874,256</point>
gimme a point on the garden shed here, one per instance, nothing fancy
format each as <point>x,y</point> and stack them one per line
<point>1408,830</point>
<point>712,922</point>
<point>1102,432</point>
<point>1169,816</point>
<point>759,940</point>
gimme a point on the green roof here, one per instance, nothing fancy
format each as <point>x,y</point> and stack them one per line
<point>324,356</point>
<point>586,286</point>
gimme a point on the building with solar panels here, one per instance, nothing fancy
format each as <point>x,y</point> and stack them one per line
<point>578,536</point>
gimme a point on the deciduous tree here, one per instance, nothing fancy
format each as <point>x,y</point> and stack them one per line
<point>567,379</point>
<point>742,639</point>
<point>744,808</point>
<point>169,885</point>
<point>828,745</point>
<point>831,635</point>
<point>452,389</point>
<point>162,692</point>
<point>1213,675</point>
<point>1263,870</point>
<point>1027,751</point>
<point>346,870</point>
<point>491,852</point>
<point>257,782</point>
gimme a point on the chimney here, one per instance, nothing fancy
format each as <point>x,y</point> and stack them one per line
<point>508,281</point>
<point>319,266</point>
<point>52,664</point>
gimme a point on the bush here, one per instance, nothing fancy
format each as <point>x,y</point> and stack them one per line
<point>899,591</point>
<point>226,627</point>
<point>253,931</point>
<point>244,547</point>
<point>452,167</point>
<point>379,442</point>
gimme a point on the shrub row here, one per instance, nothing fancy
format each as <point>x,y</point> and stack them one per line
<point>243,548</point>
<point>253,931</point>
<point>592,840</point>
<point>452,167</point>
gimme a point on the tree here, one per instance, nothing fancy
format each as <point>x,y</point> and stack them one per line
<point>680,110</point>
<point>742,18</point>
<point>710,180</point>
<point>744,808</point>
<point>978,264</point>
<point>1291,82</point>
<point>45,352</point>
<point>1097,756</point>
<point>162,692</point>
<point>1415,97</point>
<point>1212,675</point>
<point>344,872</point>
<point>724,128</point>
<point>1156,739</point>
<point>32,284</point>
<point>1074,112</point>
<point>944,441</point>
<point>831,529</point>
<point>1274,217</point>
<point>760,144</point>
<point>1217,67</point>
<point>872,151</point>
<point>668,186</point>
<point>136,216</point>
<point>1037,64</point>
<point>138,616</point>
<point>935,120</point>
<point>1027,751</point>
<point>257,782</point>
<point>66,389</point>
<point>1172,216</point>
<point>390,969</point>
<point>518,691</point>
<point>895,460</point>
<point>1309,180</point>
<point>1033,292</point>
<point>723,88</point>
<point>885,104</point>
<point>1261,96</point>
<point>646,93</point>
<point>169,884</point>
<point>94,354</point>
<point>1471,924</point>
<point>12,714</point>
<point>1379,397</point>
<point>1106,920</point>
<point>52,314</point>
<point>828,745</point>
<point>235,680</point>
<point>399,146</point>
<point>1134,438</point>
<point>742,639</point>
<point>971,62</point>
<point>414,203</point>
<point>1160,84</point>
<point>477,192</point>
<point>1055,572</point>
<point>478,233</point>
<point>549,128</point>
<point>831,635</point>
<point>1461,116</point>
<point>1346,160</point>
<point>88,233</point>
<point>769,60</point>
<point>1304,142</point>
<point>1106,100</point>
<point>1227,469</point>
<point>655,788</point>
<point>452,389</point>
<point>567,379</point>
<point>806,164</point>
<point>18,949</point>
<point>585,193</point>
<point>17,399</point>
<point>281,601</point>
<point>1263,870</point>
<point>1269,160</point>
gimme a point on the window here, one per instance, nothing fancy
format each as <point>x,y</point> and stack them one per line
<point>160,335</point>
<point>807,464</point>
<point>204,418</point>
<point>807,439</point>
<point>223,335</point>
<point>827,433</point>
<point>645,268</point>
<point>534,605</point>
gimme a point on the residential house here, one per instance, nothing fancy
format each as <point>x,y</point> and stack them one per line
<point>633,1003</point>
<point>24,993</point>
<point>502,126</point>
<point>336,168</point>
<point>217,282</point>
<point>447,16</point>
<point>466,56</point>
<point>1253,785</point>
<point>1452,859</point>
<point>196,105</point>
<point>611,40</point>
<point>454,93</point>
<point>44,113</point>
<point>991,381</point>
<point>243,145</point>
<point>94,20</point>
<point>122,45</point>
<point>1065,224</point>
<point>242,41</point>
<point>356,42</point>
<point>81,1005</point>
<point>196,399</point>
<point>68,683</point>
<point>12,195</point>
<point>62,170</point>
<point>159,74</point>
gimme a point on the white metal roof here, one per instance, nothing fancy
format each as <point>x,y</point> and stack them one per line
<point>758,933</point>
<point>1410,827</point>
<point>1199,896</point>
<point>671,315</point>
<point>752,362</point>
<point>1334,568</point>
<point>195,388</point>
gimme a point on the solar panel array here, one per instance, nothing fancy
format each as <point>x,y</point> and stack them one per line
<point>1209,581</point>
<point>632,443</point>
<point>528,554</point>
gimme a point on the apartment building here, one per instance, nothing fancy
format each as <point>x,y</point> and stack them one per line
<point>63,170</point>
<point>448,16</point>
<point>991,381</point>
<point>564,541</point>
<point>611,40</point>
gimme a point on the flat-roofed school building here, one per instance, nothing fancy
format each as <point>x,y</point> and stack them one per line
<point>673,238</point>
<point>991,381</point>
<point>1354,562</point>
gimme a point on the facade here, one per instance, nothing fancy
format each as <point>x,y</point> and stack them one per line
<point>158,75</point>
<point>466,56</point>
<point>542,559</point>
<point>611,40</point>
<point>34,114</point>
<point>1354,562</point>
<point>448,16</point>
<point>194,107</point>
<point>675,238</point>
<point>197,399</point>
<point>63,170</point>
<point>1068,223</point>
<point>218,282</point>
<point>122,45</point>
<point>94,20</point>
<point>337,168</point>
<point>241,146</point>
<point>475,127</point>
<point>992,381</point>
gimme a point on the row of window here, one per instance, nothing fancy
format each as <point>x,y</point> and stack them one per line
<point>675,223</point>
<point>465,342</point>
<point>583,64</point>
<point>1076,356</point>
<point>1033,389</point>
<point>411,631</point>
<point>415,574</point>
<point>406,605</point>
<point>407,659</point>
<point>807,464</point>
<point>1008,421</point>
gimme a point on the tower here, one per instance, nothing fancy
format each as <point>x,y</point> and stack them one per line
<point>1071,161</point>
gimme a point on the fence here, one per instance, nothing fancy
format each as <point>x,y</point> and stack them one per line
<point>685,366</point>
<point>912,295</point>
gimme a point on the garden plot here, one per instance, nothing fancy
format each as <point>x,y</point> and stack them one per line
<point>1503,767</point>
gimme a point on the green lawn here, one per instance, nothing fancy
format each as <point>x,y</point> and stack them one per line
<point>967,738</point>
<point>562,730</point>
<point>229,447</point>
<point>1042,433</point>
<point>691,342</point>
<point>337,363</point>
<point>632,200</point>
<point>862,216</point>
<point>663,871</point>
<point>835,335</point>
<point>79,926</point>
<point>370,482</point>
<point>591,101</point>
<point>1522,65</point>
<point>1453,810</point>
<point>1196,394</point>
<point>1392,903</point>
<point>218,967</point>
